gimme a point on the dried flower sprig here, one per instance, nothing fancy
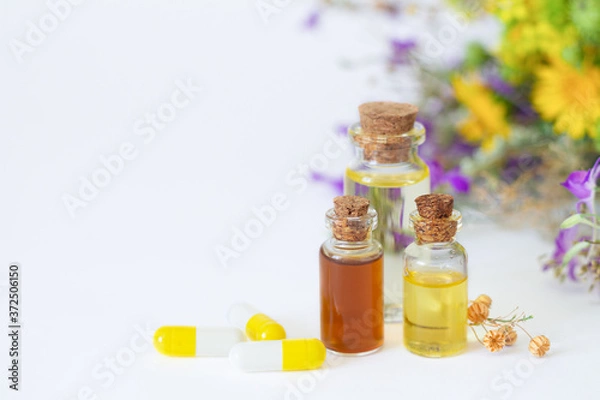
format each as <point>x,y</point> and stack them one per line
<point>500,331</point>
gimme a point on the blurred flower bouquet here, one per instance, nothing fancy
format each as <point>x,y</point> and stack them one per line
<point>515,120</point>
<point>529,109</point>
<point>506,125</point>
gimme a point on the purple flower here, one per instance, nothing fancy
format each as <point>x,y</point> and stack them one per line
<point>516,166</point>
<point>312,20</point>
<point>563,242</point>
<point>499,85</point>
<point>342,129</point>
<point>524,112</point>
<point>583,183</point>
<point>401,50</point>
<point>458,181</point>
<point>395,194</point>
<point>336,183</point>
<point>432,149</point>
<point>401,240</point>
<point>460,149</point>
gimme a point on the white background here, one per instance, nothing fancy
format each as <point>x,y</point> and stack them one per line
<point>142,253</point>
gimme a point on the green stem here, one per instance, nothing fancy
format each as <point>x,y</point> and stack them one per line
<point>594,230</point>
<point>512,320</point>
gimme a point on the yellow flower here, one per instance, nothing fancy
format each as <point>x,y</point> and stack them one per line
<point>526,45</point>
<point>514,10</point>
<point>487,116</point>
<point>569,97</point>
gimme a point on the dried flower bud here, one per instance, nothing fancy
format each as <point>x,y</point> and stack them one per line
<point>494,340</point>
<point>539,345</point>
<point>485,299</point>
<point>478,312</point>
<point>510,335</point>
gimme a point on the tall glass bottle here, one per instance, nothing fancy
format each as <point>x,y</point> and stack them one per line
<point>351,279</point>
<point>435,281</point>
<point>388,171</point>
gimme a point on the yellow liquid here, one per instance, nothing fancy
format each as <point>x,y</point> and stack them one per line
<point>435,313</point>
<point>391,180</point>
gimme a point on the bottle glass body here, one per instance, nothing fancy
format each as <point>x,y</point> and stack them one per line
<point>435,298</point>
<point>351,289</point>
<point>391,189</point>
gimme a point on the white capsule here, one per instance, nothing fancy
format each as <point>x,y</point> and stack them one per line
<point>278,355</point>
<point>255,324</point>
<point>192,341</point>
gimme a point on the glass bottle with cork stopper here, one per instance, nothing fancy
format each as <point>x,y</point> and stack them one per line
<point>351,279</point>
<point>435,280</point>
<point>388,171</point>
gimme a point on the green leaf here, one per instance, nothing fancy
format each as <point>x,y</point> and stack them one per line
<point>573,251</point>
<point>579,219</point>
<point>597,137</point>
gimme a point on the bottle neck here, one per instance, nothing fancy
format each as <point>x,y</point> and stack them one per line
<point>376,148</point>
<point>347,245</point>
<point>420,242</point>
<point>407,155</point>
<point>349,251</point>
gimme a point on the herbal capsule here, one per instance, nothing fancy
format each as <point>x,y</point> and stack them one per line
<point>257,325</point>
<point>192,341</point>
<point>278,355</point>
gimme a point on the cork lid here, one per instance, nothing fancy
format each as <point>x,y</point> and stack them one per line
<point>350,206</point>
<point>386,131</point>
<point>435,205</point>
<point>351,219</point>
<point>435,220</point>
<point>387,118</point>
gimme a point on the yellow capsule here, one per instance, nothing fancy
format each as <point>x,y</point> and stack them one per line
<point>192,341</point>
<point>278,355</point>
<point>257,325</point>
<point>299,354</point>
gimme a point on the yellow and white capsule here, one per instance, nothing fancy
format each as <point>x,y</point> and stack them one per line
<point>196,341</point>
<point>257,325</point>
<point>278,355</point>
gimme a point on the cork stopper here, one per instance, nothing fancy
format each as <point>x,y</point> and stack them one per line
<point>351,219</point>
<point>350,206</point>
<point>435,220</point>
<point>384,125</point>
<point>387,118</point>
<point>435,205</point>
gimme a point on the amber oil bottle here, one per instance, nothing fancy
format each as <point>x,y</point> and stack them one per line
<point>351,279</point>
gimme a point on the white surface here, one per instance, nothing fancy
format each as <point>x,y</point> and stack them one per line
<point>216,342</point>
<point>265,355</point>
<point>239,314</point>
<point>141,254</point>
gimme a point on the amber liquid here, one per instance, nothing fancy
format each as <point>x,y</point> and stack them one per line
<point>351,304</point>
